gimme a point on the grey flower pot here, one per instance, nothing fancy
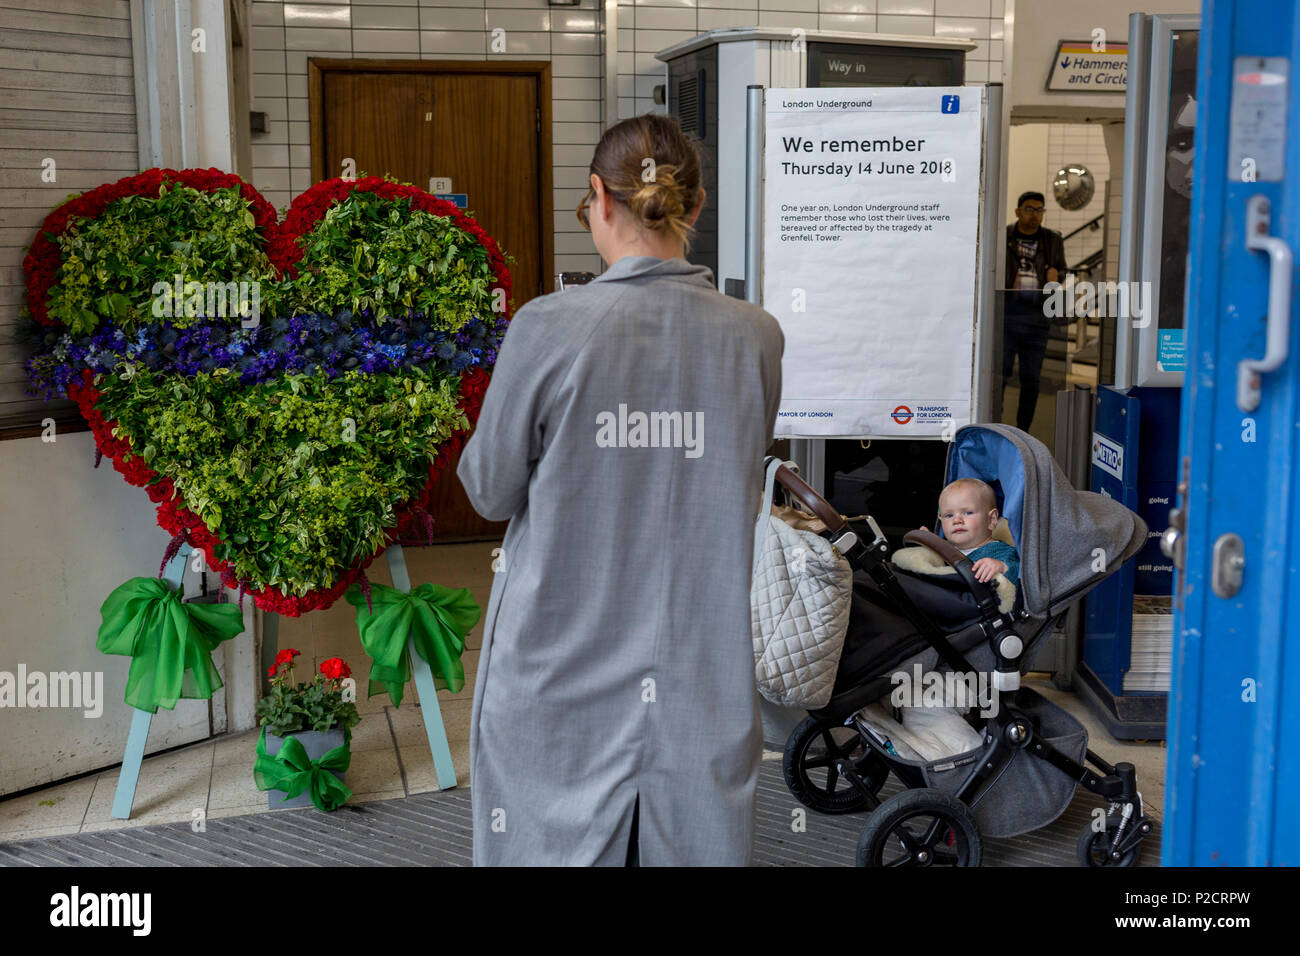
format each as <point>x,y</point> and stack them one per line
<point>317,743</point>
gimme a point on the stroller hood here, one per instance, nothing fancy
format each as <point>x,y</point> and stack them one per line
<point>1069,541</point>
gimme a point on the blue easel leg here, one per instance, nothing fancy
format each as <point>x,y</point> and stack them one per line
<point>130,772</point>
<point>433,726</point>
<point>423,674</point>
<point>129,775</point>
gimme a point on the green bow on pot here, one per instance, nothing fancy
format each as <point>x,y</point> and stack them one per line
<point>292,771</point>
<point>436,618</point>
<point>170,643</point>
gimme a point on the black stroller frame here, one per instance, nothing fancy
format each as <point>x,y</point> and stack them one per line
<point>1005,734</point>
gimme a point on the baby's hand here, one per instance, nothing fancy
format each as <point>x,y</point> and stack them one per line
<point>986,569</point>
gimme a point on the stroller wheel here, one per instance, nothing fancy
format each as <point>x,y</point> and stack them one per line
<point>810,772</point>
<point>1094,847</point>
<point>920,828</point>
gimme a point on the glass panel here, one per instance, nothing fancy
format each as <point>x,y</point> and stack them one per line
<point>1047,342</point>
<point>1176,223</point>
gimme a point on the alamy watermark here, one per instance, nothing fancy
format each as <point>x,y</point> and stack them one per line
<point>73,689</point>
<point>651,430</point>
<point>1105,300</point>
<point>944,689</point>
<point>129,910</point>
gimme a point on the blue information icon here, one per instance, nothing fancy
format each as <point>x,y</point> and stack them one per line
<point>951,104</point>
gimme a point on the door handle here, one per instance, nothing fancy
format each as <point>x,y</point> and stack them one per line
<point>1279,303</point>
<point>1229,563</point>
<point>1172,542</point>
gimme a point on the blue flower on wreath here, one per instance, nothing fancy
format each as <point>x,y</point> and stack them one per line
<point>310,342</point>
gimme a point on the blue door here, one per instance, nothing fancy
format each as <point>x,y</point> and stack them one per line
<point>1233,781</point>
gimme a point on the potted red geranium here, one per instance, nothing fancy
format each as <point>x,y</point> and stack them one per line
<point>306,732</point>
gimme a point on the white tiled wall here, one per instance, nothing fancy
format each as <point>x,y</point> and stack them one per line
<point>286,34</point>
<point>1114,134</point>
<point>1077,143</point>
<point>1114,207</point>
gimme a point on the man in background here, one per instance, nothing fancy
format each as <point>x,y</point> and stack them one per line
<point>1035,257</point>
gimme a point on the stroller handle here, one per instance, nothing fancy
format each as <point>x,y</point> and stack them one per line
<point>813,501</point>
<point>985,596</point>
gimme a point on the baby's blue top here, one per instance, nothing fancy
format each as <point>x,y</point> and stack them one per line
<point>1002,552</point>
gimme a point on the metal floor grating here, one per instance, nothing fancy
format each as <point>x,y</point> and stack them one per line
<point>433,829</point>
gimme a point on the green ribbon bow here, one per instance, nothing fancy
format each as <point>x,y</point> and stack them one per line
<point>170,643</point>
<point>437,618</point>
<point>292,771</point>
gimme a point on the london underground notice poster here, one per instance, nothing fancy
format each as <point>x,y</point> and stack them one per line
<point>871,207</point>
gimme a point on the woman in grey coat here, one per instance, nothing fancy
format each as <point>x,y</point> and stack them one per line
<point>623,434</point>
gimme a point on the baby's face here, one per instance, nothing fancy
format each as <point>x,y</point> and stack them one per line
<point>965,523</point>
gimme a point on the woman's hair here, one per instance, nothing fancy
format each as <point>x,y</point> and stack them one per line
<point>653,168</point>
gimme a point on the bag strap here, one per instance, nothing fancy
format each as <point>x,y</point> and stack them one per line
<point>764,527</point>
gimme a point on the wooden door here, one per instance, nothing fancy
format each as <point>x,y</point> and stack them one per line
<point>480,125</point>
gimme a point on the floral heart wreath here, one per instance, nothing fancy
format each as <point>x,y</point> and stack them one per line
<point>285,391</point>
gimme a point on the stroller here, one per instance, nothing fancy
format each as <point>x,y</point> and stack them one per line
<point>1026,758</point>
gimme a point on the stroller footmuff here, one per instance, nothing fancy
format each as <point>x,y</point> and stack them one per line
<point>1011,763</point>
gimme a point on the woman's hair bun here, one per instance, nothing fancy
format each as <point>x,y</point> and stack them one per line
<point>662,198</point>
<point>653,167</point>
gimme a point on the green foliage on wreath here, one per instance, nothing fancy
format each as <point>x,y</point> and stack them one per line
<point>298,476</point>
<point>379,254</point>
<point>111,264</point>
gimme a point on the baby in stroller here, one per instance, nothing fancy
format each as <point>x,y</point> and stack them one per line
<point>1020,761</point>
<point>971,522</point>
<point>968,510</point>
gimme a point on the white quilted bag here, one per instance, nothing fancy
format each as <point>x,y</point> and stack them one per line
<point>799,606</point>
